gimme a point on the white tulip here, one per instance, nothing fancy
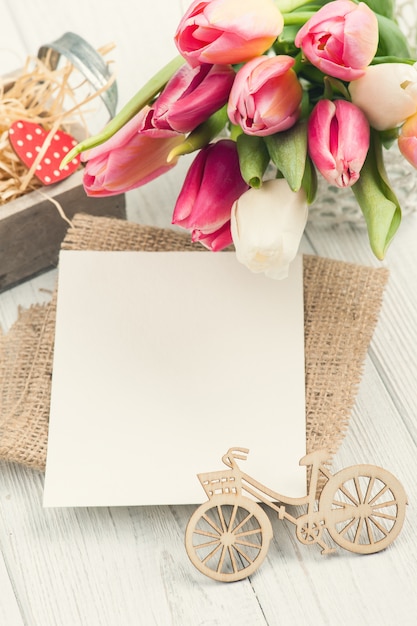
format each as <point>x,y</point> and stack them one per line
<point>386,93</point>
<point>267,225</point>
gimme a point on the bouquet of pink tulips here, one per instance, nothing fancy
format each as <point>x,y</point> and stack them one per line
<point>269,94</point>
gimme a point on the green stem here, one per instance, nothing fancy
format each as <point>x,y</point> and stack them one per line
<point>287,6</point>
<point>235,132</point>
<point>135,104</point>
<point>202,135</point>
<point>296,18</point>
<point>298,63</point>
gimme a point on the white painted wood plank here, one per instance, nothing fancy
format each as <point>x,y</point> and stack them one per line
<point>108,566</point>
<point>347,588</point>
<point>9,608</point>
<point>36,291</point>
<point>12,47</point>
<point>128,566</point>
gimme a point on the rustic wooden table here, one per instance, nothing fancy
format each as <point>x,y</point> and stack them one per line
<point>127,566</point>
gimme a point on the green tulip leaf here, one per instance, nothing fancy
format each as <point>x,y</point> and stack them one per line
<point>288,152</point>
<point>379,60</point>
<point>383,7</point>
<point>388,137</point>
<point>309,182</point>
<point>392,41</point>
<point>253,159</point>
<point>333,87</point>
<point>377,200</point>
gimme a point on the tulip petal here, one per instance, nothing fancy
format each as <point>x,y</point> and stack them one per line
<point>353,140</point>
<point>319,131</point>
<point>226,31</point>
<point>186,199</point>
<point>212,184</point>
<point>222,184</point>
<point>340,39</point>
<point>190,97</point>
<point>338,141</point>
<point>128,159</point>
<point>220,239</point>
<point>407,141</point>
<point>266,96</point>
<point>392,86</point>
<point>267,225</point>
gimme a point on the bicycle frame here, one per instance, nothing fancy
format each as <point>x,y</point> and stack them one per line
<point>268,496</point>
<point>309,524</point>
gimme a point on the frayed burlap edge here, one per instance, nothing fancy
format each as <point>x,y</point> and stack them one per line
<point>341,306</point>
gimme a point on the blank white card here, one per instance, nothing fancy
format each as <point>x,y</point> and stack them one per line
<point>163,361</point>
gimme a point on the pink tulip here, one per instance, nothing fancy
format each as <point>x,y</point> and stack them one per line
<point>341,39</point>
<point>266,96</point>
<point>227,31</point>
<point>190,97</point>
<point>407,141</point>
<point>211,186</point>
<point>338,141</point>
<point>129,159</point>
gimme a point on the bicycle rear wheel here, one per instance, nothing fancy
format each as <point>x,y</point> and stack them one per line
<point>228,538</point>
<point>364,508</point>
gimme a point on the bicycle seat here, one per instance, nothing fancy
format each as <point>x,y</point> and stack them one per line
<point>318,456</point>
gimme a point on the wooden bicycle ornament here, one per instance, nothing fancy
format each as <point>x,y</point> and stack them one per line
<point>361,507</point>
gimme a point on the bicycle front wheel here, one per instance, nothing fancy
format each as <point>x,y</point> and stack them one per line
<point>227,539</point>
<point>364,508</point>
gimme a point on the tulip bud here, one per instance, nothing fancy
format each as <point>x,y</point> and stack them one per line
<point>190,97</point>
<point>387,94</point>
<point>407,141</point>
<point>129,159</point>
<point>212,184</point>
<point>338,141</point>
<point>266,96</point>
<point>267,225</point>
<point>227,31</point>
<point>340,39</point>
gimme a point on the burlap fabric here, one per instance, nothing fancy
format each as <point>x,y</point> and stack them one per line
<point>341,302</point>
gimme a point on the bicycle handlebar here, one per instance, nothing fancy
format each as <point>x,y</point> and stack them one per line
<point>235,453</point>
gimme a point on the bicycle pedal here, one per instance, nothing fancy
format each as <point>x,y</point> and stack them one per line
<point>327,550</point>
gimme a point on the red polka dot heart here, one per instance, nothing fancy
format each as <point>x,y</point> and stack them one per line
<point>27,140</point>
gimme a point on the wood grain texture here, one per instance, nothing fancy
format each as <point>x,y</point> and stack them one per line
<point>9,607</point>
<point>128,566</point>
<point>32,229</point>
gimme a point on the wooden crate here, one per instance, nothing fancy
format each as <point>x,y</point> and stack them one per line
<point>31,228</point>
